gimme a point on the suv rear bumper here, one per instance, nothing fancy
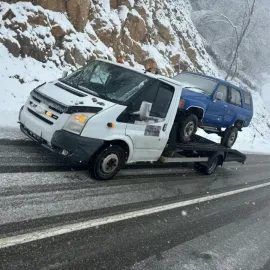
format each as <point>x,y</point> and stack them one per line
<point>74,147</point>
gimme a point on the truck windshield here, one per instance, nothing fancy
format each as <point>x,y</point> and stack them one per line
<point>107,81</point>
<point>196,82</point>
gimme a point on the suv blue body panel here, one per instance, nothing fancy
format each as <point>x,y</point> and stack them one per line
<point>222,114</point>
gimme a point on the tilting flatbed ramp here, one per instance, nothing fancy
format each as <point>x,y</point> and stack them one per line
<point>201,147</point>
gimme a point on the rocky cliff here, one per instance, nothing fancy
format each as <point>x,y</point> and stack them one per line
<point>70,32</point>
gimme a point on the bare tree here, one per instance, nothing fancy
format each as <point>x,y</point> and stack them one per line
<point>245,26</point>
<point>215,17</point>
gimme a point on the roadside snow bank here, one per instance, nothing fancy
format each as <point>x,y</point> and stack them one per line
<point>18,77</point>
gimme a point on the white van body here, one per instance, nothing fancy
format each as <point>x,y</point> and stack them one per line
<point>45,115</point>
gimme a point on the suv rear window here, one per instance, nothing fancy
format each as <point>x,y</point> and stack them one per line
<point>235,97</point>
<point>247,97</point>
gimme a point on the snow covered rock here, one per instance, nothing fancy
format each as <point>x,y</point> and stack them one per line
<point>77,10</point>
<point>136,30</point>
<point>117,3</point>
<point>136,26</point>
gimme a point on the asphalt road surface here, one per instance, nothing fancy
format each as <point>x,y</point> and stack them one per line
<point>53,216</point>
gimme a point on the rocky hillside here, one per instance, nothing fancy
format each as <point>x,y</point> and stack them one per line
<point>70,32</point>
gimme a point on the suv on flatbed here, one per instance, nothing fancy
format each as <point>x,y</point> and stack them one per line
<point>212,104</point>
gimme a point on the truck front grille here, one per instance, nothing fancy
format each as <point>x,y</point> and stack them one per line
<point>40,117</point>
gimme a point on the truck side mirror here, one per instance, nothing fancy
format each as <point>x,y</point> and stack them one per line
<point>64,74</point>
<point>145,110</point>
<point>219,96</point>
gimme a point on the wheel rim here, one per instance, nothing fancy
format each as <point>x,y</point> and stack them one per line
<point>110,163</point>
<point>189,129</point>
<point>231,139</point>
<point>213,165</point>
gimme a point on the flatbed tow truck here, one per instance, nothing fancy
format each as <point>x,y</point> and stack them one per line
<point>107,114</point>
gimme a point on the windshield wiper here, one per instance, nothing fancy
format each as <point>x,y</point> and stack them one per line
<point>87,90</point>
<point>104,87</point>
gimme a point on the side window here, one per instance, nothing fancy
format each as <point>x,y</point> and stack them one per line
<point>247,97</point>
<point>235,97</point>
<point>224,90</point>
<point>162,101</point>
<point>147,95</point>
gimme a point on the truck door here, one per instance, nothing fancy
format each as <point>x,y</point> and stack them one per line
<point>216,114</point>
<point>150,137</point>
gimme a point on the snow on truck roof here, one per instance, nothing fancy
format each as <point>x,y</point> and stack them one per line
<point>141,71</point>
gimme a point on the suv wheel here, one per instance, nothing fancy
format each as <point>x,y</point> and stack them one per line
<point>229,137</point>
<point>187,128</point>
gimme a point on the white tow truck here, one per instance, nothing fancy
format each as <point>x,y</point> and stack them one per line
<point>107,114</point>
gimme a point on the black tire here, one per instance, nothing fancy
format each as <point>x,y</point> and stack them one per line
<point>199,166</point>
<point>187,127</point>
<point>229,137</point>
<point>209,167</point>
<point>107,163</point>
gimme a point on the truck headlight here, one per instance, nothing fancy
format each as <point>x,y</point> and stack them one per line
<point>76,122</point>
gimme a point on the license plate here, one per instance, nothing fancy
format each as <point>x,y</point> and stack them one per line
<point>36,131</point>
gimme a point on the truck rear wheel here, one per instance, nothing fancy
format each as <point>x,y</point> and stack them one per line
<point>209,167</point>
<point>107,163</point>
<point>229,137</point>
<point>187,127</point>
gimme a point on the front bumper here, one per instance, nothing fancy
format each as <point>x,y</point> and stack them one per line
<point>74,147</point>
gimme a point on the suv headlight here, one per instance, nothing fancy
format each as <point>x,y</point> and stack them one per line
<point>77,121</point>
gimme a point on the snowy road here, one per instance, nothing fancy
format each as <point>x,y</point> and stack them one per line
<point>38,194</point>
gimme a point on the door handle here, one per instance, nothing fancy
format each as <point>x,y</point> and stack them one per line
<point>225,106</point>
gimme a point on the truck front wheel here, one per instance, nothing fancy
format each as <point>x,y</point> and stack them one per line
<point>107,163</point>
<point>187,127</point>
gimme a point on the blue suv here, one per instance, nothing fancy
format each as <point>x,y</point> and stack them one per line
<point>212,104</point>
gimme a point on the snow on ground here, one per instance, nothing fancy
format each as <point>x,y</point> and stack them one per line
<point>246,142</point>
<point>13,93</point>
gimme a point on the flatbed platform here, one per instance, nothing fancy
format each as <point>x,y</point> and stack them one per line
<point>200,151</point>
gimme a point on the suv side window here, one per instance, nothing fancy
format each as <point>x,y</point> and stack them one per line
<point>247,98</point>
<point>162,101</point>
<point>223,89</point>
<point>235,97</point>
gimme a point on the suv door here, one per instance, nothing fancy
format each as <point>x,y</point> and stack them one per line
<point>217,109</point>
<point>150,137</point>
<point>235,106</point>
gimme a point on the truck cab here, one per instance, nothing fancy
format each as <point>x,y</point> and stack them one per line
<point>104,115</point>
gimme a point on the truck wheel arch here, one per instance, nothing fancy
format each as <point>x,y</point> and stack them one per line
<point>120,143</point>
<point>239,124</point>
<point>198,111</point>
<point>124,141</point>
